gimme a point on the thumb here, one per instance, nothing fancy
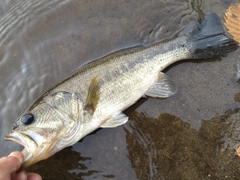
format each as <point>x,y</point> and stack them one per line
<point>10,164</point>
<point>14,161</point>
<point>18,155</point>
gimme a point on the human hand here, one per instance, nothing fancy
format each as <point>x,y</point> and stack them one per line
<point>10,168</point>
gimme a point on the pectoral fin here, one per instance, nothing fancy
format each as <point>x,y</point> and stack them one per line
<point>93,95</point>
<point>116,120</point>
<point>164,87</point>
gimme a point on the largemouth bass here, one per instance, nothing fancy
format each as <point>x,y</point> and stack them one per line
<point>95,96</point>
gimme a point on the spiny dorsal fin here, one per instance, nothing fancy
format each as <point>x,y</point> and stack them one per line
<point>93,95</point>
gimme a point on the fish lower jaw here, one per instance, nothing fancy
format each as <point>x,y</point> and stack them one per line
<point>27,155</point>
<point>32,158</point>
<point>24,140</point>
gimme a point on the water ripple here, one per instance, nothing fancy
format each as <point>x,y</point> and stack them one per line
<point>149,148</point>
<point>161,29</point>
<point>22,14</point>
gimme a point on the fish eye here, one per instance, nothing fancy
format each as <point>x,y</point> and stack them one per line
<point>28,119</point>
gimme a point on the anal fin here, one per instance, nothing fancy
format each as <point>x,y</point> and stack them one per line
<point>116,120</point>
<point>164,87</point>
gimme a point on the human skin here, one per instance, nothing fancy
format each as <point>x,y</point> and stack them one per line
<point>10,168</point>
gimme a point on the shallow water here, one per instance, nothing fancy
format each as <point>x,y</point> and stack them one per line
<point>192,135</point>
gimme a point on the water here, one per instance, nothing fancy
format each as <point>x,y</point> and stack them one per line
<point>192,135</point>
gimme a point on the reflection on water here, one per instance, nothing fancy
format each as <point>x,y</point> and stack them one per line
<point>188,135</point>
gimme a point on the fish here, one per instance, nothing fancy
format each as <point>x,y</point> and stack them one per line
<point>96,96</point>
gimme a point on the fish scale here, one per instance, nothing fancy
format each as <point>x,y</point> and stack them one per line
<point>142,68</point>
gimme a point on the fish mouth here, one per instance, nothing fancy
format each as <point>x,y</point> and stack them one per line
<point>25,140</point>
<point>36,146</point>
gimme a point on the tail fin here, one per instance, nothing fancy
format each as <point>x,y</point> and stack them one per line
<point>207,39</point>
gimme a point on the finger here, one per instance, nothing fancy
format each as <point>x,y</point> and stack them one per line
<point>34,176</point>
<point>21,175</point>
<point>11,163</point>
<point>18,155</point>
